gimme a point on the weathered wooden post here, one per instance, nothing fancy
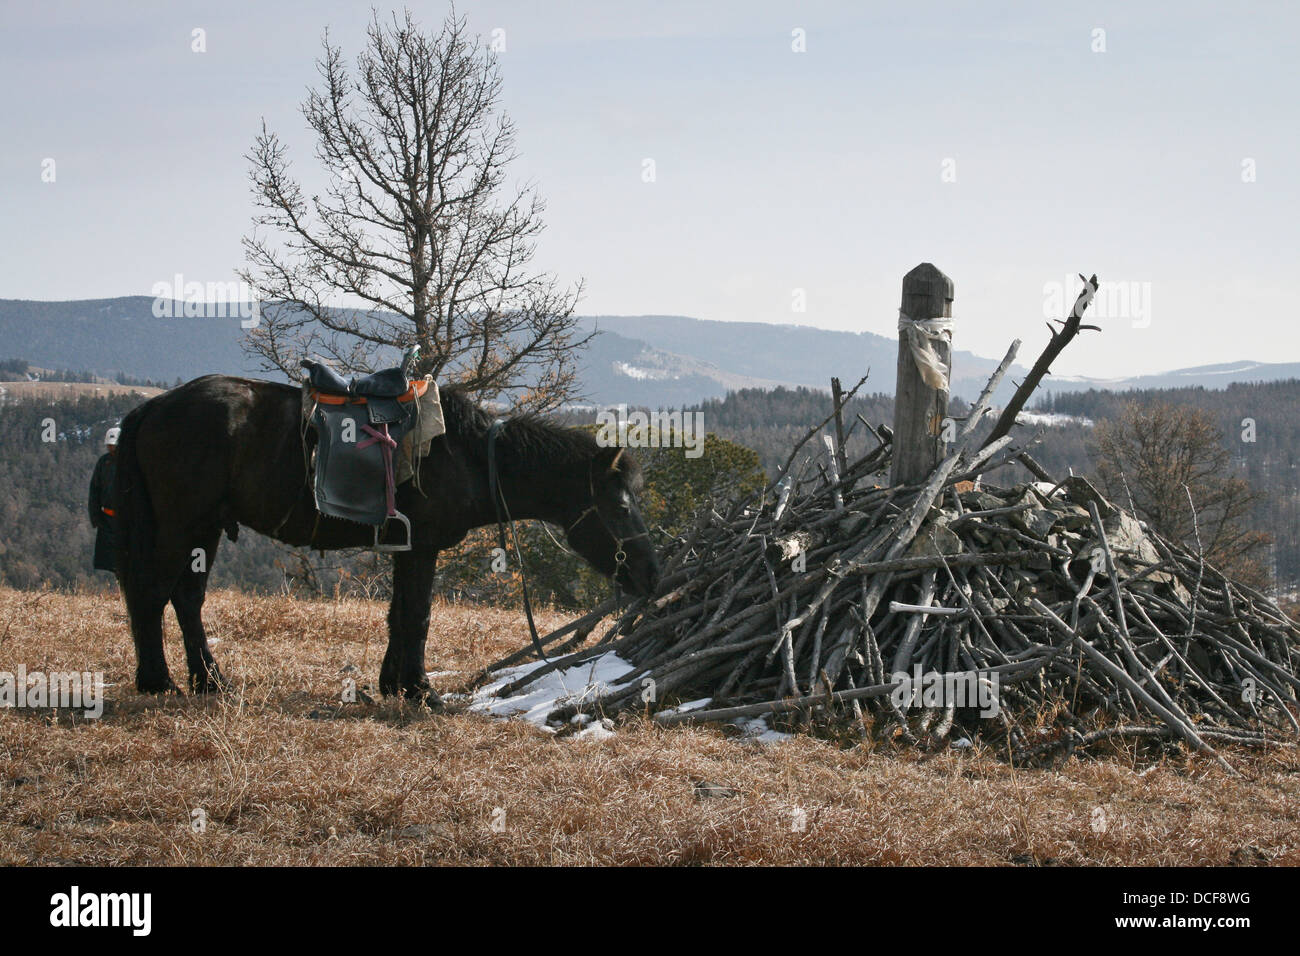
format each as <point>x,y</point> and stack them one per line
<point>924,374</point>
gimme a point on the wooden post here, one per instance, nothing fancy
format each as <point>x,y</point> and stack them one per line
<point>837,397</point>
<point>919,410</point>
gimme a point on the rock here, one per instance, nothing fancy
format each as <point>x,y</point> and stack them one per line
<point>1071,517</point>
<point>981,501</point>
<point>1249,855</point>
<point>1127,540</point>
<point>1080,491</point>
<point>704,790</point>
<point>1039,523</point>
<point>937,538</point>
<point>1039,561</point>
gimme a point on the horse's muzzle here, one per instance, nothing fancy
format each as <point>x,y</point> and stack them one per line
<point>642,580</point>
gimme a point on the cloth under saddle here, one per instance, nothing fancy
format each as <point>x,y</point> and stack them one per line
<point>371,432</point>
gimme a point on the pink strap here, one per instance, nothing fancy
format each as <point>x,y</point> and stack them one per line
<point>387,444</point>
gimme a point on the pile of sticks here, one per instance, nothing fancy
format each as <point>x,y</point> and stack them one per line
<point>812,599</point>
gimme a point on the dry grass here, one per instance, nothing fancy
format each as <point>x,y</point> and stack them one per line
<point>70,391</point>
<point>285,775</point>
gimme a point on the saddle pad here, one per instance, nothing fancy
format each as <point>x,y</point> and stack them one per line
<point>429,425</point>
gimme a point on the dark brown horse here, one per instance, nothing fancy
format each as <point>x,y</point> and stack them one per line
<point>220,452</point>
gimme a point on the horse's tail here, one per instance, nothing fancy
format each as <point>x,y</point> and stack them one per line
<point>134,509</point>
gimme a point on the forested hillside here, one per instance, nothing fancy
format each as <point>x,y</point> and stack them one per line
<point>45,534</point>
<point>1260,424</point>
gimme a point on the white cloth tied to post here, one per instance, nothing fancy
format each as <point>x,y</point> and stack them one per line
<point>921,336</point>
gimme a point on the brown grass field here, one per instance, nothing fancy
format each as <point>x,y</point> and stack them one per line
<point>286,775</point>
<point>69,391</point>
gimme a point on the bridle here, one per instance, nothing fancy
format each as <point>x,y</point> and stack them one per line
<point>620,556</point>
<point>504,519</point>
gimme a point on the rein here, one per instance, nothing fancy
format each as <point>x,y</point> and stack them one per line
<point>503,518</point>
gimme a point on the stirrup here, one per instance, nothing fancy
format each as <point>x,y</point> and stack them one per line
<point>390,548</point>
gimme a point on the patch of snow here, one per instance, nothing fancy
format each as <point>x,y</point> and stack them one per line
<point>433,674</point>
<point>688,705</point>
<point>596,730</point>
<point>642,374</point>
<point>1047,488</point>
<point>535,701</point>
<point>1052,419</point>
<point>1244,367</point>
<point>756,728</point>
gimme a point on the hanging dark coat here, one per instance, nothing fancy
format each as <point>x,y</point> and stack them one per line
<point>101,512</point>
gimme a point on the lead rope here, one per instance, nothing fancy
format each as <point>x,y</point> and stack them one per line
<point>503,518</point>
<point>498,501</point>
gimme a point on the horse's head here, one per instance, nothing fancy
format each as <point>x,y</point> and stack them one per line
<point>609,532</point>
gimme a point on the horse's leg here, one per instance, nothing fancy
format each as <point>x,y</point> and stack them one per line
<point>146,597</point>
<point>408,626</point>
<point>187,601</point>
<point>390,672</point>
<point>145,609</point>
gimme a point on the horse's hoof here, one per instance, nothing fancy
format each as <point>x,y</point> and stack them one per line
<point>210,683</point>
<point>156,685</point>
<point>426,696</point>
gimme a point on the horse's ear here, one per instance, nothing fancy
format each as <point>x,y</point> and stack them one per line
<point>608,459</point>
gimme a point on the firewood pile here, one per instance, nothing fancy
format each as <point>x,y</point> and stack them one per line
<point>813,601</point>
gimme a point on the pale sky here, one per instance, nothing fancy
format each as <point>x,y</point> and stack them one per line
<point>776,171</point>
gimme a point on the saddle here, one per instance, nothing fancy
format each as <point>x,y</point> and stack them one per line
<point>390,383</point>
<point>360,423</point>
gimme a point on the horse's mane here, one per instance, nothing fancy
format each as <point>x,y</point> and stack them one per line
<point>531,436</point>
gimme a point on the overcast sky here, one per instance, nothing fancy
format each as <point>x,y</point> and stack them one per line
<point>992,139</point>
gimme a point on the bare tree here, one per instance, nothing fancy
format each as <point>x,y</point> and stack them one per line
<point>1170,462</point>
<point>417,224</point>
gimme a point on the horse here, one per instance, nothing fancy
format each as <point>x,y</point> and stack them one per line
<point>221,452</point>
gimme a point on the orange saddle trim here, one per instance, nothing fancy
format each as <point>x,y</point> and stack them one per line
<point>416,390</point>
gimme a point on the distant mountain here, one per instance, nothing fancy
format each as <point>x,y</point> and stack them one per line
<point>108,336</point>
<point>656,360</point>
<point>1204,376</point>
<point>791,355</point>
<point>619,368</point>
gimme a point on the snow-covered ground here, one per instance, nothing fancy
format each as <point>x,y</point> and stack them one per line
<point>643,374</point>
<point>1052,419</point>
<point>756,728</point>
<point>535,701</point>
<point>1234,369</point>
